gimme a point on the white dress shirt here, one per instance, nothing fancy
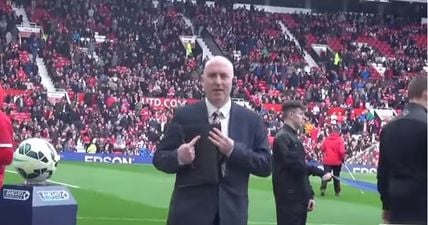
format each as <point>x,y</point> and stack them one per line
<point>225,111</point>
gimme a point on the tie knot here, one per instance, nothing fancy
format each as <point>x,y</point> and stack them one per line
<point>216,117</point>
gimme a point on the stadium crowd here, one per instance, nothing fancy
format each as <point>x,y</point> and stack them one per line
<point>399,44</point>
<point>142,56</point>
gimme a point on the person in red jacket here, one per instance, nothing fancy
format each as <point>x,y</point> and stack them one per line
<point>333,149</point>
<point>6,140</point>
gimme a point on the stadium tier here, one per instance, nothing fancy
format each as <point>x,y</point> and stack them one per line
<point>119,61</point>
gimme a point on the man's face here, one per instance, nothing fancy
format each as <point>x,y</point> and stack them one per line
<point>297,116</point>
<point>217,82</point>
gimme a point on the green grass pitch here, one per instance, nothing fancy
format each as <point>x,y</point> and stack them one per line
<point>114,194</point>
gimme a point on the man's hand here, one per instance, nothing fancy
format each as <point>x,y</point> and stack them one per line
<point>385,216</point>
<point>186,152</point>
<point>327,177</point>
<point>311,205</point>
<point>225,144</point>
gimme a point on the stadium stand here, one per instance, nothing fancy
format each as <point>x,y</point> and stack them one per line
<point>114,57</point>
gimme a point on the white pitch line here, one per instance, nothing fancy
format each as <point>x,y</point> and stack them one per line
<point>162,220</point>
<point>50,181</point>
<point>64,184</point>
<point>120,219</point>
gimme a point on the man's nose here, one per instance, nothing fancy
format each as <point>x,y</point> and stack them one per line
<point>217,79</point>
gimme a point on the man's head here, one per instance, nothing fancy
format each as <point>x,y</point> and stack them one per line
<point>417,91</point>
<point>217,80</point>
<point>334,130</point>
<point>294,114</point>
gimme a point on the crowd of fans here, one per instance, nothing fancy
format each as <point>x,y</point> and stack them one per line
<point>17,68</point>
<point>399,44</point>
<point>142,56</point>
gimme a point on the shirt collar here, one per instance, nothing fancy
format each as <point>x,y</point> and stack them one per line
<point>225,109</point>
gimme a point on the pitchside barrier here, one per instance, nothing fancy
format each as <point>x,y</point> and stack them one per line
<point>137,159</point>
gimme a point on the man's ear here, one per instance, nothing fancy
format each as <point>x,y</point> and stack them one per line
<point>201,79</point>
<point>424,95</point>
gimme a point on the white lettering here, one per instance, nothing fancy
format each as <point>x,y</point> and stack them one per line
<point>97,159</point>
<point>164,102</point>
<point>89,158</point>
<point>364,170</point>
<point>183,102</point>
<point>53,195</point>
<point>170,102</point>
<point>116,160</point>
<point>128,161</point>
<point>108,159</point>
<point>12,194</point>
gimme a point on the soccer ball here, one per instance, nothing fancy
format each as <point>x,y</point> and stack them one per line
<point>35,160</point>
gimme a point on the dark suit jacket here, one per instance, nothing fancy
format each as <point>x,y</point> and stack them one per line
<point>402,168</point>
<point>198,204</point>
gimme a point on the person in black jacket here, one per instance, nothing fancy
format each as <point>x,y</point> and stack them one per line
<point>402,168</point>
<point>292,190</point>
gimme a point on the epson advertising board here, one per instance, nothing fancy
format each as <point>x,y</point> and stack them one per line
<point>136,159</point>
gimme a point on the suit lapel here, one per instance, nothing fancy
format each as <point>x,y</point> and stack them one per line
<point>234,122</point>
<point>201,112</point>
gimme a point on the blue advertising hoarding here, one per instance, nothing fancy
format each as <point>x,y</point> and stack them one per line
<point>147,159</point>
<point>105,158</point>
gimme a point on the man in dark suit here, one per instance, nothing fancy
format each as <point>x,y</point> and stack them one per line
<point>402,168</point>
<point>240,140</point>
<point>293,193</point>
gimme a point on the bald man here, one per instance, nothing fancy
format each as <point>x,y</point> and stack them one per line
<point>239,138</point>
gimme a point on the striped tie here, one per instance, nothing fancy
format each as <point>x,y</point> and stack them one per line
<point>217,117</point>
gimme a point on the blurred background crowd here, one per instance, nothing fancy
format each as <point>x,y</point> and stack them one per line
<point>108,83</point>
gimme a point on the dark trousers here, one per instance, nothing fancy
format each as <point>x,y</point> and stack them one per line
<point>291,214</point>
<point>408,211</point>
<point>336,172</point>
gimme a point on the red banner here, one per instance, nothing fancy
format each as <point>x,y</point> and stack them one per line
<point>341,111</point>
<point>153,102</point>
<point>20,116</point>
<point>14,92</point>
<point>274,107</point>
